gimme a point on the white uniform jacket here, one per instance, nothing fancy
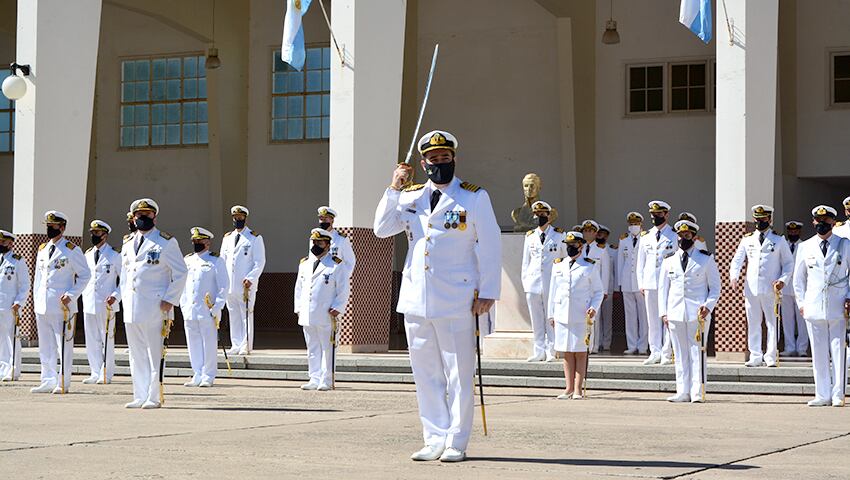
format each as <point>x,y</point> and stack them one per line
<point>537,258</point>
<point>602,260</point>
<point>318,291</point>
<point>452,251</point>
<point>842,229</point>
<point>651,253</point>
<point>65,272</point>
<point>574,289</point>
<point>627,263</point>
<point>766,262</point>
<point>206,275</point>
<point>788,289</point>
<point>104,280</point>
<point>821,283</point>
<point>157,273</point>
<point>245,259</point>
<point>14,281</point>
<point>681,293</point>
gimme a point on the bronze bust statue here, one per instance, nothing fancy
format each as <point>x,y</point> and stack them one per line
<point>522,216</point>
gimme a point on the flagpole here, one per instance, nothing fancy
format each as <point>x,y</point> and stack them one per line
<point>333,37</point>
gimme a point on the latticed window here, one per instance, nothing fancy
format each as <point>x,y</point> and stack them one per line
<point>301,101</point>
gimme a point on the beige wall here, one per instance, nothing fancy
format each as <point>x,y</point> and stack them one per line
<point>7,55</point>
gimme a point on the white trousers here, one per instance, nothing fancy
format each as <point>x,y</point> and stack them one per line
<point>442,357</point>
<point>7,336</point>
<point>202,341</point>
<point>319,350</point>
<point>659,337</point>
<point>145,342</point>
<point>603,327</point>
<point>794,326</point>
<point>635,310</point>
<point>758,307</point>
<point>544,332</point>
<point>827,338</point>
<point>49,341</point>
<point>689,359</point>
<point>236,309</point>
<point>95,328</point>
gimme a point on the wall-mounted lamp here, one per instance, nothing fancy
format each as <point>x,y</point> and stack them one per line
<point>15,87</point>
<point>611,37</point>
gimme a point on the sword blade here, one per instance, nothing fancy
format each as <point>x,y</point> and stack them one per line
<point>424,103</point>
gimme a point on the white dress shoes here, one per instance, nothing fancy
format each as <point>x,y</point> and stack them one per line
<point>91,380</point>
<point>679,398</point>
<point>452,455</point>
<point>819,402</point>
<point>653,359</point>
<point>45,387</point>
<point>149,405</point>
<point>310,386</point>
<point>536,358</point>
<point>194,382</point>
<point>135,404</point>
<point>428,453</point>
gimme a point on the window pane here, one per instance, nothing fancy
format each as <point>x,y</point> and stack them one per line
<point>202,88</point>
<point>203,135</point>
<point>126,137</point>
<point>279,83</point>
<point>326,80</point>
<point>202,111</point>
<point>296,82</point>
<point>5,103</point>
<point>158,114</point>
<point>278,107</point>
<point>294,129</point>
<point>697,74</point>
<point>190,133</point>
<point>202,66</point>
<point>679,76</point>
<point>314,58</point>
<point>142,91</point>
<point>173,113</point>
<point>158,68</point>
<point>190,67</point>
<point>141,135</point>
<point>172,135</point>
<point>696,98</point>
<point>842,91</point>
<point>127,92</point>
<point>326,105</point>
<point>143,70</point>
<point>190,88</point>
<point>158,90</point>
<point>173,90</point>
<point>127,71</point>
<point>841,66</point>
<point>314,128</point>
<point>5,142</point>
<point>679,99</point>
<point>190,112</point>
<point>314,105</point>
<point>637,101</point>
<point>278,129</point>
<point>654,100</point>
<point>277,63</point>
<point>314,81</point>
<point>127,115</point>
<point>158,135</point>
<point>654,77</point>
<point>173,68</point>
<point>637,77</point>
<point>5,122</point>
<point>295,106</point>
<point>141,114</point>
<point>326,127</point>
<point>326,57</point>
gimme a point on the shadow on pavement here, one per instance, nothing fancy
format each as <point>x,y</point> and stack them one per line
<point>258,409</point>
<point>601,462</point>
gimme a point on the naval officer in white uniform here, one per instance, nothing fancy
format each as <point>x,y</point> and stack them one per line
<point>793,324</point>
<point>340,243</point>
<point>658,244</point>
<point>633,302</point>
<point>104,262</point>
<point>14,290</point>
<point>454,251</point>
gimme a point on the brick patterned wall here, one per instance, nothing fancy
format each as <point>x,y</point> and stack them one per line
<point>730,334</point>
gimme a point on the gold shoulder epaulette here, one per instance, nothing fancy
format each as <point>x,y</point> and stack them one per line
<point>705,252</point>
<point>559,260</point>
<point>643,233</point>
<point>90,249</point>
<point>559,229</point>
<point>165,235</point>
<point>116,249</point>
<point>624,236</point>
<point>699,237</point>
<point>188,255</point>
<point>41,247</point>
<point>214,254</point>
<point>589,260</point>
<point>128,237</point>
<point>614,246</point>
<point>303,260</point>
<point>337,260</point>
<point>228,233</point>
<point>469,186</point>
<point>414,187</point>
<point>529,232</point>
<point>837,224</point>
<point>254,233</point>
<point>342,235</point>
<point>748,234</point>
<point>16,256</point>
<point>70,245</point>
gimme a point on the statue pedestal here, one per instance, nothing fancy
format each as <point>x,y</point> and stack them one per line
<point>512,337</point>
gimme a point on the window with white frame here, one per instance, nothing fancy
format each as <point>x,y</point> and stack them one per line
<point>688,82</point>
<point>840,81</point>
<point>301,101</point>
<point>670,87</point>
<point>646,89</point>
<point>7,120</point>
<point>164,101</point>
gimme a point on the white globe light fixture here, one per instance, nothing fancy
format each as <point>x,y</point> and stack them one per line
<point>15,87</point>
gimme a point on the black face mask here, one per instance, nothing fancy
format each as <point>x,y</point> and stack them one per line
<point>601,241</point>
<point>793,238</point>
<point>239,224</point>
<point>823,228</point>
<point>317,250</point>
<point>573,250</point>
<point>131,226</point>
<point>3,249</point>
<point>324,225</point>
<point>686,243</point>
<point>441,173</point>
<point>96,239</point>
<point>762,225</point>
<point>199,247</point>
<point>656,220</point>
<point>542,221</point>
<point>144,223</point>
<point>53,232</point>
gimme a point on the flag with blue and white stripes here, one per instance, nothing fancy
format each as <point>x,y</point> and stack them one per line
<point>696,15</point>
<point>292,45</point>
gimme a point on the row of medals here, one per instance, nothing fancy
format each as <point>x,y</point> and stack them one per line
<point>455,219</point>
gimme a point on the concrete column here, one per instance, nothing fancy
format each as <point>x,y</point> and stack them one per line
<point>745,144</point>
<point>365,113</point>
<point>59,40</point>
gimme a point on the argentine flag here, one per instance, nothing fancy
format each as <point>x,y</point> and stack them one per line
<point>292,45</point>
<point>696,15</point>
